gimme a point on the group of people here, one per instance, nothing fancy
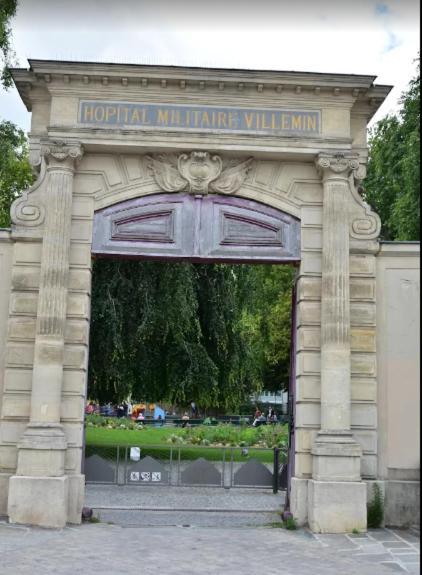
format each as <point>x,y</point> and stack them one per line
<point>121,410</point>
<point>137,413</point>
<point>261,419</point>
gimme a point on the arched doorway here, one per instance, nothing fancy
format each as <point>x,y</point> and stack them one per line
<point>198,228</point>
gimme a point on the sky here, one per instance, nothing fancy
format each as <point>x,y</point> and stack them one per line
<point>369,37</point>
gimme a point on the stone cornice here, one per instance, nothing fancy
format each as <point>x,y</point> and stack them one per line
<point>400,249</point>
<point>197,73</point>
<point>256,84</point>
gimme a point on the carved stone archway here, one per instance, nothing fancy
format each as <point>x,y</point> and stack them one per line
<point>280,157</point>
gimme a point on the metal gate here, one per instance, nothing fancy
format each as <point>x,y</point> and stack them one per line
<point>227,467</point>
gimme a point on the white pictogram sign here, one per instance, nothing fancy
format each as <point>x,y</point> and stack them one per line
<point>156,476</point>
<point>145,476</point>
<point>134,475</point>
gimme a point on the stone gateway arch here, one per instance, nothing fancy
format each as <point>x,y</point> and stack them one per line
<point>202,164</point>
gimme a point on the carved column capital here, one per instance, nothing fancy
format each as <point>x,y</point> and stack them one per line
<point>60,154</point>
<point>338,165</point>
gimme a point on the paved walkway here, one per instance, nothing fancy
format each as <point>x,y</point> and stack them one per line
<point>112,550</point>
<point>198,531</point>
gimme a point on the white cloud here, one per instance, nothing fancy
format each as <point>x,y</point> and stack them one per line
<point>362,37</point>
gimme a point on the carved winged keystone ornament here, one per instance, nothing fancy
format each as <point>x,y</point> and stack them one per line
<point>198,173</point>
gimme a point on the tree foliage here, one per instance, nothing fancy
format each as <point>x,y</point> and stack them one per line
<point>7,11</point>
<point>181,332</point>
<point>393,179</point>
<point>15,169</point>
<point>266,323</point>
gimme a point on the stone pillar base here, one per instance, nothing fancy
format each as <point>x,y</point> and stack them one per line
<point>41,501</point>
<point>299,500</point>
<point>336,506</point>
<point>336,457</point>
<point>76,498</point>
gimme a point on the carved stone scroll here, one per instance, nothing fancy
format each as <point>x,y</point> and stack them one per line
<point>364,224</point>
<point>28,210</point>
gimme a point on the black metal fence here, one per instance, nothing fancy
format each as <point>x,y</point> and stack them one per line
<point>227,467</point>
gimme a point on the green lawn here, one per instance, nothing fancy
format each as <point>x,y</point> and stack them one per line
<point>146,436</point>
<point>221,440</point>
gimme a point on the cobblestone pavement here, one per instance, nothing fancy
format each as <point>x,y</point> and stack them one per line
<point>198,531</point>
<point>219,509</point>
<point>113,549</point>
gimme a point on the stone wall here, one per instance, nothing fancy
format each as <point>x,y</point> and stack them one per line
<point>398,357</point>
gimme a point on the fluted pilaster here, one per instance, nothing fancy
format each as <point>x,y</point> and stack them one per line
<point>336,495</point>
<point>335,296</point>
<point>51,314</point>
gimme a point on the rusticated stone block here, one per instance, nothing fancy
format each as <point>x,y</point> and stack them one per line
<point>364,415</point>
<point>80,254</point>
<point>74,381</point>
<point>80,280</point>
<point>311,263</point>
<point>25,277</point>
<point>72,407</point>
<point>75,356</point>
<point>308,414</point>
<point>8,457</point>
<point>24,303</point>
<point>303,465</point>
<point>78,305</point>
<point>308,388</point>
<point>362,265</point>
<point>27,253</point>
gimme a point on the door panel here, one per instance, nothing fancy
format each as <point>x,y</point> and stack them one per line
<point>155,226</point>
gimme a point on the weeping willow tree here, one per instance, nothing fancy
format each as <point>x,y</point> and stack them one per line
<point>182,332</point>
